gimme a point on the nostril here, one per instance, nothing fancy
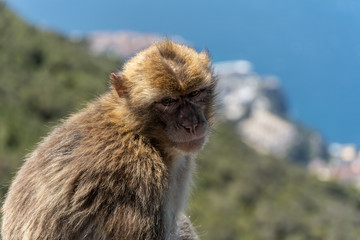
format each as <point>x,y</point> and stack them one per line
<point>190,127</point>
<point>189,123</point>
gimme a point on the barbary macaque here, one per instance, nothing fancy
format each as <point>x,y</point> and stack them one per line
<point>121,167</point>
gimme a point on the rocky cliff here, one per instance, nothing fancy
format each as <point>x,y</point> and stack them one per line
<point>258,106</point>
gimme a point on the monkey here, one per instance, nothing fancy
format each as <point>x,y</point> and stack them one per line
<point>121,168</point>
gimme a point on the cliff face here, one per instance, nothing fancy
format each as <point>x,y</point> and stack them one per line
<point>258,106</point>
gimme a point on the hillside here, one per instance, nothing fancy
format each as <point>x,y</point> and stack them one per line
<point>240,194</point>
<point>43,77</point>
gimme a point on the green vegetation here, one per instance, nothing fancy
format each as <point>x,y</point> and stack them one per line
<point>240,194</point>
<point>43,77</point>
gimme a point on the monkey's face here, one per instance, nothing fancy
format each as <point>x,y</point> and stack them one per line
<point>170,89</point>
<point>183,118</point>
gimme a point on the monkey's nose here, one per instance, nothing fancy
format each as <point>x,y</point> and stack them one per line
<point>190,126</point>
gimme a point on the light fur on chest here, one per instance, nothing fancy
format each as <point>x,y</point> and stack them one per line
<point>180,178</point>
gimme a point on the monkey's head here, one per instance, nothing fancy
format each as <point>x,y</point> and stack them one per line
<point>170,89</point>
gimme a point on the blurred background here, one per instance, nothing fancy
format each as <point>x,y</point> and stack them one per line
<point>284,159</point>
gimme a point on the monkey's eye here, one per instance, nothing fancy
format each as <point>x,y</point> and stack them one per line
<point>194,93</point>
<point>168,101</point>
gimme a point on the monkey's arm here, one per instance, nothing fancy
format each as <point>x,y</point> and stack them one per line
<point>185,230</point>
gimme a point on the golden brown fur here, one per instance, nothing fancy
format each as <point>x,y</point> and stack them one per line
<point>120,168</point>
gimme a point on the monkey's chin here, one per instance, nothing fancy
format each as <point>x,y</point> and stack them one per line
<point>191,146</point>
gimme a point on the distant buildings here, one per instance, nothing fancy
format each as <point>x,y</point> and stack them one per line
<point>343,164</point>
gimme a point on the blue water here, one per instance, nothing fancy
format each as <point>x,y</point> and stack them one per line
<point>312,46</point>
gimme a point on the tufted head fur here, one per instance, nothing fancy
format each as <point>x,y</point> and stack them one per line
<point>165,68</point>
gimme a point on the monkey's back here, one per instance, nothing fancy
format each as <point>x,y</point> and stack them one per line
<point>73,185</point>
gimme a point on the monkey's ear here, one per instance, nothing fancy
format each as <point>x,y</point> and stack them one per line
<point>118,82</point>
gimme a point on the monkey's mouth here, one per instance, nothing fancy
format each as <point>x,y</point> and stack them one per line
<point>191,145</point>
<point>188,141</point>
<point>192,140</point>
<point>187,138</point>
